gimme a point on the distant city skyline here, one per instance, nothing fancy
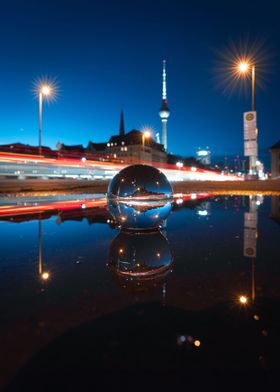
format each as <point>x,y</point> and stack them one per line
<point>108,56</point>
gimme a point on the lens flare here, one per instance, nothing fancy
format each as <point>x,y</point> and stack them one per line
<point>243,67</point>
<point>233,66</point>
<point>147,130</point>
<point>48,87</point>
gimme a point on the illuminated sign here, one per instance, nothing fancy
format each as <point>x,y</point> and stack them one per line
<point>202,153</point>
<point>250,134</point>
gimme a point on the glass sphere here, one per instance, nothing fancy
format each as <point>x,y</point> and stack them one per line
<point>140,181</point>
<point>140,197</point>
<point>140,256</point>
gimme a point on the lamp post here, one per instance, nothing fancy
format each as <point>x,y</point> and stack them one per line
<point>243,68</point>
<point>45,90</point>
<point>145,135</point>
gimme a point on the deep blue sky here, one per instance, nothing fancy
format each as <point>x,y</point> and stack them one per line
<point>109,53</point>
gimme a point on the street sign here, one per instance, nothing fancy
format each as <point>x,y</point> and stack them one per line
<point>250,134</point>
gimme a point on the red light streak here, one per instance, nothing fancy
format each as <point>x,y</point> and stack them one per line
<point>115,166</point>
<point>57,206</point>
<point>60,206</point>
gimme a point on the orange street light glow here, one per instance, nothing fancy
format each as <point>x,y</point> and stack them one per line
<point>45,275</point>
<point>243,66</point>
<point>243,300</point>
<point>147,134</point>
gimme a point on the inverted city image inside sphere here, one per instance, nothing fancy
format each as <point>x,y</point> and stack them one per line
<point>140,181</point>
<point>139,214</point>
<point>140,256</point>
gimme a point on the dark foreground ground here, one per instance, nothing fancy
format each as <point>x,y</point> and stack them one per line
<point>268,187</point>
<point>151,348</point>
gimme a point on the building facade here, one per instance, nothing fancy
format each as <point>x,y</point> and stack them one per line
<point>134,147</point>
<point>275,160</point>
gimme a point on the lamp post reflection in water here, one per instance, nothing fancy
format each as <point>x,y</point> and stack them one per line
<point>251,236</point>
<point>44,275</point>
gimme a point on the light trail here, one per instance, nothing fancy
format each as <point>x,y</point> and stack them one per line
<point>171,171</point>
<point>68,205</point>
<point>55,206</point>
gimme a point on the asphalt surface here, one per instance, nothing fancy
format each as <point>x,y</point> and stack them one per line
<point>8,186</point>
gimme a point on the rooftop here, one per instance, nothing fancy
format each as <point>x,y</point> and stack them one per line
<point>275,146</point>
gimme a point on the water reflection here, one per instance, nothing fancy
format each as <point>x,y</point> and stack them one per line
<point>140,256</point>
<point>43,274</point>
<point>209,273</point>
<point>204,208</point>
<point>275,209</point>
<point>251,237</point>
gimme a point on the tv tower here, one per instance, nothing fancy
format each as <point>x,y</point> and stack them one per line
<point>164,111</point>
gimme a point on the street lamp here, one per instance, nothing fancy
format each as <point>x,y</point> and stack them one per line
<point>45,90</point>
<point>145,135</point>
<point>243,69</point>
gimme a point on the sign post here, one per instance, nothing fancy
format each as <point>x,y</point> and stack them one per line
<point>251,140</point>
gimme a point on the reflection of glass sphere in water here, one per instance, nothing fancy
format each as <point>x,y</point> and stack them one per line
<point>140,197</point>
<point>141,256</point>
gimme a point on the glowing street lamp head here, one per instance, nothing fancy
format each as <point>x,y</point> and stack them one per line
<point>45,89</point>
<point>147,134</point>
<point>243,66</point>
<point>147,131</point>
<point>236,64</point>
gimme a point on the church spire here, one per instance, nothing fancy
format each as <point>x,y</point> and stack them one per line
<point>122,124</point>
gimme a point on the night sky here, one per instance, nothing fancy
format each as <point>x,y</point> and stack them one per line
<point>108,54</point>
